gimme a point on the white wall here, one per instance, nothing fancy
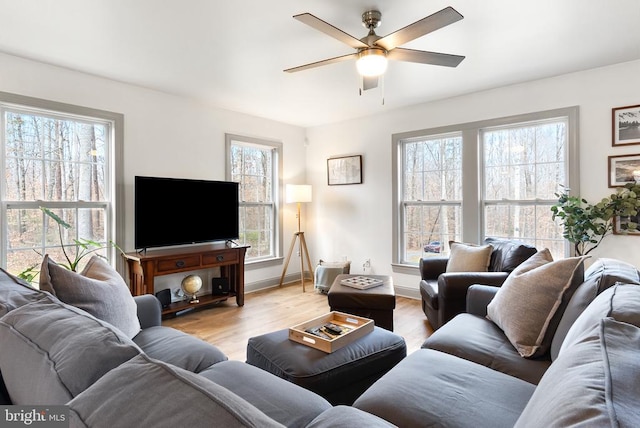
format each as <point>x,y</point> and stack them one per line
<point>353,220</point>
<point>164,135</point>
<point>356,220</point>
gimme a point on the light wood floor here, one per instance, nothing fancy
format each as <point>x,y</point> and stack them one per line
<point>229,326</point>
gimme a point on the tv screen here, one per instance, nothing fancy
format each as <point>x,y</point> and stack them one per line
<point>177,211</point>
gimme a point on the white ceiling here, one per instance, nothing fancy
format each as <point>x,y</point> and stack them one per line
<point>232,53</point>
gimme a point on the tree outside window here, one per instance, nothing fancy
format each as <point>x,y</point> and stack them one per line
<point>254,164</point>
<point>62,162</point>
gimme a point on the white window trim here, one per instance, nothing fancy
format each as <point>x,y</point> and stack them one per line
<point>116,172</point>
<point>277,188</point>
<point>471,162</point>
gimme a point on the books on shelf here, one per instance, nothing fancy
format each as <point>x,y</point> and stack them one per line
<point>361,282</point>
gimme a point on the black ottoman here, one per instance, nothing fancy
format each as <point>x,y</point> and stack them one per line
<point>341,376</point>
<point>375,303</point>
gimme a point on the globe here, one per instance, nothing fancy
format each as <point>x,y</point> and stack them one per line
<point>191,284</point>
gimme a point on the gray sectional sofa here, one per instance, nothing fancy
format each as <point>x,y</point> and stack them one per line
<point>467,374</point>
<point>52,353</point>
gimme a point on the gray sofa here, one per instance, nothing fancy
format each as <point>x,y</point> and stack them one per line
<point>468,373</point>
<point>52,353</point>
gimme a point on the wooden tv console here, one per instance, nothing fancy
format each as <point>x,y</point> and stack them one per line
<point>144,266</point>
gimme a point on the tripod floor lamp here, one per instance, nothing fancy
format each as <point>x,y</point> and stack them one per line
<point>298,193</point>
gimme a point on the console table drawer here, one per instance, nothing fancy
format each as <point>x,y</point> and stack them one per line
<point>178,263</point>
<point>220,257</point>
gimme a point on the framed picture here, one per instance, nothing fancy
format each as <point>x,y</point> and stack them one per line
<point>625,125</point>
<point>344,170</point>
<point>623,169</point>
<point>619,222</point>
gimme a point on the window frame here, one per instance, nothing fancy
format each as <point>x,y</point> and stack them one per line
<point>114,219</point>
<point>276,188</point>
<point>472,164</point>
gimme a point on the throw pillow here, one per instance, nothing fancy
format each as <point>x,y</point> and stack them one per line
<point>532,297</point>
<point>594,383</point>
<point>468,257</point>
<point>98,289</point>
<point>52,351</point>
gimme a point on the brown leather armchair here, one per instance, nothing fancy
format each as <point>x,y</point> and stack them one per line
<point>444,294</point>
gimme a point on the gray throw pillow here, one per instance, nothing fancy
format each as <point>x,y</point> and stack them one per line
<point>532,296</point>
<point>52,351</point>
<point>98,289</point>
<point>593,383</point>
<point>620,302</point>
<point>469,257</point>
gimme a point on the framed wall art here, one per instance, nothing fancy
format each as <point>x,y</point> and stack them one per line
<point>620,222</point>
<point>625,125</point>
<point>623,169</point>
<point>344,170</point>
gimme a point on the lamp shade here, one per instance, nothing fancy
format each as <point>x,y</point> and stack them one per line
<point>298,193</point>
<point>371,62</point>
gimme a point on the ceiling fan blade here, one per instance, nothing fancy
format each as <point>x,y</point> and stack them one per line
<point>321,63</point>
<point>425,57</point>
<point>330,30</point>
<point>419,28</point>
<point>369,82</point>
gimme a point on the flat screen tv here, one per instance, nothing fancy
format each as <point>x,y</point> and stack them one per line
<point>178,211</point>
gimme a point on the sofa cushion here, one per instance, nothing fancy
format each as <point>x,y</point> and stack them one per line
<point>468,257</point>
<point>51,351</point>
<point>148,393</point>
<point>508,254</point>
<point>15,292</point>
<point>430,388</point>
<point>478,339</point>
<point>98,289</point>
<point>178,348</point>
<point>530,303</point>
<point>601,275</point>
<point>347,417</point>
<point>285,402</point>
<point>593,383</point>
<point>620,302</point>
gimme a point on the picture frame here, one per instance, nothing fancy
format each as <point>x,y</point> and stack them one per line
<point>619,221</point>
<point>623,169</point>
<point>344,170</point>
<point>625,125</point>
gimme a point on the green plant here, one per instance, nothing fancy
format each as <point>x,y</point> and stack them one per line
<point>73,253</point>
<point>586,225</point>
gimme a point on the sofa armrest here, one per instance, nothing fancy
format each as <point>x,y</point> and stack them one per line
<point>432,267</point>
<point>149,310</point>
<point>452,290</point>
<point>455,284</point>
<point>478,298</point>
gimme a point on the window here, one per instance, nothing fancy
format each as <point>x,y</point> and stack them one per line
<point>523,166</point>
<point>255,164</point>
<point>63,158</point>
<point>431,193</point>
<point>493,178</point>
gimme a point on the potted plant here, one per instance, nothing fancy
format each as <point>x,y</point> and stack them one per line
<point>586,225</point>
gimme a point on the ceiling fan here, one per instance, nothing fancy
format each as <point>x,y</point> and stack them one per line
<point>373,50</point>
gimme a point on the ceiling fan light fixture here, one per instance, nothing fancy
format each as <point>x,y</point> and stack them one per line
<point>372,62</point>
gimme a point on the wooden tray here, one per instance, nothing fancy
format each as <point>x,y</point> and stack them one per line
<point>357,327</point>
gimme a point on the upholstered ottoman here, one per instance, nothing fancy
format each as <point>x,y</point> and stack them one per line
<point>375,303</point>
<point>341,376</point>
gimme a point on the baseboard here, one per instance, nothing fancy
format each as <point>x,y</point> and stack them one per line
<point>408,292</point>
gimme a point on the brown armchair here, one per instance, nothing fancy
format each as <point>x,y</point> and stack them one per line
<point>444,294</point>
